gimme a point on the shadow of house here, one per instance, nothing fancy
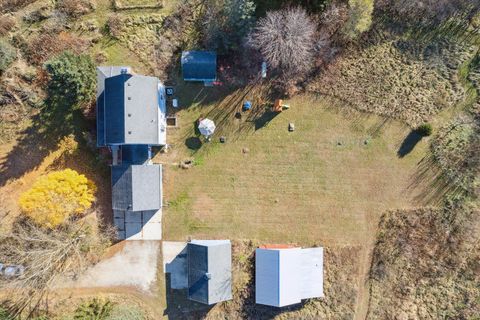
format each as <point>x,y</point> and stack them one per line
<point>180,307</point>
<point>197,278</point>
<point>409,143</point>
<point>176,280</point>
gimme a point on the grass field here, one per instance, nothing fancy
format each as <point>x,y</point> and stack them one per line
<point>327,181</point>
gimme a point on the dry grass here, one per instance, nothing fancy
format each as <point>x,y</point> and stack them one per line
<point>399,79</point>
<point>140,34</point>
<point>138,4</point>
<point>426,265</point>
<point>328,180</point>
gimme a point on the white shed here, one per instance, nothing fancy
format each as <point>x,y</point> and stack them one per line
<point>285,276</point>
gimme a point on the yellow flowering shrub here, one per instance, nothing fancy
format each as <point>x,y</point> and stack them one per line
<point>56,196</point>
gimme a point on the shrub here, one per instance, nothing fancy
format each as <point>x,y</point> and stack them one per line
<point>7,55</point>
<point>13,5</point>
<point>96,309</point>
<point>49,44</point>
<point>359,19</point>
<point>115,25</point>
<point>425,129</point>
<point>57,196</point>
<point>7,23</point>
<point>75,8</point>
<point>72,79</point>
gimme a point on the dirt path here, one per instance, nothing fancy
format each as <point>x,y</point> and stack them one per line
<point>124,294</point>
<point>363,294</point>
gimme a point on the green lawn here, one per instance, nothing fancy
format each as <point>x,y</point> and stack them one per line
<point>328,181</point>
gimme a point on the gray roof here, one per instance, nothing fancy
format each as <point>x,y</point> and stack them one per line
<point>130,109</point>
<point>137,187</point>
<point>286,276</point>
<point>102,74</point>
<point>199,65</point>
<point>209,271</point>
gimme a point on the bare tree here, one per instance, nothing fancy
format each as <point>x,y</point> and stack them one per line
<point>45,255</point>
<point>286,39</point>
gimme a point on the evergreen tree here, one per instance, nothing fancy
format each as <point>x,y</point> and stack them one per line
<point>72,79</point>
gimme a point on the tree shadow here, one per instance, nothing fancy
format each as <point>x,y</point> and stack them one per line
<point>230,120</point>
<point>409,143</point>
<point>435,186</point>
<point>264,119</point>
<point>193,143</point>
<point>54,121</point>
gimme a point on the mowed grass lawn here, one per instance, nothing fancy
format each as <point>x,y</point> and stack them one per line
<point>328,181</point>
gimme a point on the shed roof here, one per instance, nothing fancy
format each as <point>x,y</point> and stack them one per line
<point>130,109</point>
<point>199,65</point>
<point>285,276</point>
<point>137,187</point>
<point>209,271</point>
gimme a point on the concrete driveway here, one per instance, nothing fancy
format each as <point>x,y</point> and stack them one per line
<point>132,263</point>
<point>142,225</point>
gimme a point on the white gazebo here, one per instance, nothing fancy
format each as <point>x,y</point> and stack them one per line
<point>206,127</point>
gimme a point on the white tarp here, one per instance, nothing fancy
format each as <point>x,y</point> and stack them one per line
<point>206,127</point>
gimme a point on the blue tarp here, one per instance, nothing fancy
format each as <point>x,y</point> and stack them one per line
<point>199,65</point>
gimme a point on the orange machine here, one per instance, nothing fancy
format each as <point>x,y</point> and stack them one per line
<point>277,106</point>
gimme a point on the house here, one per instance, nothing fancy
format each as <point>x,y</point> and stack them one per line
<point>130,120</point>
<point>136,187</point>
<point>209,271</point>
<point>285,275</point>
<point>130,108</point>
<point>199,66</point>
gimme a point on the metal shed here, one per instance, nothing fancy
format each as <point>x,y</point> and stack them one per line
<point>199,66</point>
<point>209,271</point>
<point>285,276</point>
<point>136,187</point>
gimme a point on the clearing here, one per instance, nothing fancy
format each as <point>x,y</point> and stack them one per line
<point>327,181</point>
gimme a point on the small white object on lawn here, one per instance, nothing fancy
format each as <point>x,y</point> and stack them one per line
<point>206,127</point>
